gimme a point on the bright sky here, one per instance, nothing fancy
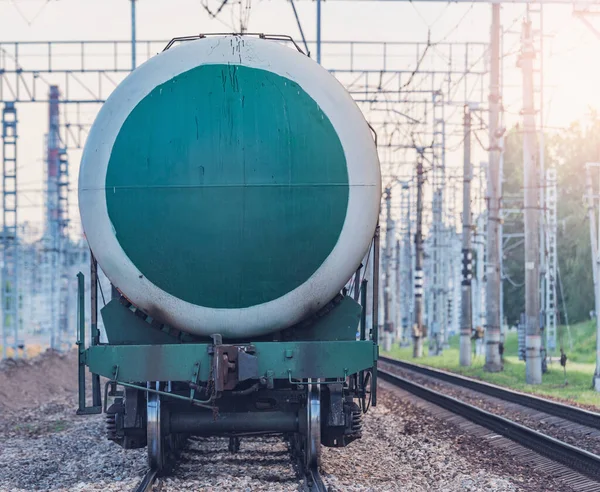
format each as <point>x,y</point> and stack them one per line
<point>572,70</point>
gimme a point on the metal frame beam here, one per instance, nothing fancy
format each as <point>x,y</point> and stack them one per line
<point>10,277</point>
<point>88,71</point>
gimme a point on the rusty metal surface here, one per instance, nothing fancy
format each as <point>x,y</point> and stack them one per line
<point>276,360</point>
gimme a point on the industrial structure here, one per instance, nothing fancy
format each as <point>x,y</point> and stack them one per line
<point>415,95</point>
<point>20,85</point>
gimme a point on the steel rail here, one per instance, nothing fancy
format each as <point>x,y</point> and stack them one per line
<point>567,412</point>
<point>315,481</point>
<point>148,481</point>
<point>577,459</point>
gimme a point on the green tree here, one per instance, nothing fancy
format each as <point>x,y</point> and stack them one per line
<point>514,251</point>
<point>568,151</point>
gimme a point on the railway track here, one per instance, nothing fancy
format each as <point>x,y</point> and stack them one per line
<point>582,461</point>
<point>147,482</point>
<point>314,481</point>
<point>567,412</point>
<point>310,477</point>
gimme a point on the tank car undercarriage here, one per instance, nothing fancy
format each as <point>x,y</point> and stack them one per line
<point>310,383</point>
<point>308,414</point>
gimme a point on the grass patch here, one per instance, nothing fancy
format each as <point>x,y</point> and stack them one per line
<point>579,370</point>
<point>59,425</point>
<point>583,336</point>
<point>38,428</point>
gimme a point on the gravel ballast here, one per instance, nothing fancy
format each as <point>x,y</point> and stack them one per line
<point>577,435</point>
<point>48,447</point>
<point>405,448</point>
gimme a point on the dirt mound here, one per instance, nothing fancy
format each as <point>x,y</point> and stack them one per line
<point>27,383</point>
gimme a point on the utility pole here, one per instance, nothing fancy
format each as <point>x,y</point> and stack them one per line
<point>418,326</point>
<point>397,293</point>
<point>387,257</point>
<point>597,298</point>
<point>133,36</point>
<point>51,238</point>
<point>479,289</point>
<point>319,32</point>
<point>591,215</point>
<point>466,320</point>
<point>405,286</point>
<point>549,249</point>
<point>437,321</point>
<point>533,339</point>
<point>493,363</point>
<point>595,263</point>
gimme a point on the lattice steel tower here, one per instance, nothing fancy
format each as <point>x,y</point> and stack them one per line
<point>10,287</point>
<point>551,260</point>
<point>439,285</point>
<point>406,259</point>
<point>51,240</point>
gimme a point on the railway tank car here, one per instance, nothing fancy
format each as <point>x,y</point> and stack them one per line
<point>230,190</point>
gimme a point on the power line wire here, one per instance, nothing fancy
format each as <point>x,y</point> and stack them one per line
<point>28,21</point>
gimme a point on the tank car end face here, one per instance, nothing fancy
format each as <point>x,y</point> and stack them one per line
<point>229,185</point>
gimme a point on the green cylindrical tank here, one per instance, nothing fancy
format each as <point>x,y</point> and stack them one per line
<point>229,185</point>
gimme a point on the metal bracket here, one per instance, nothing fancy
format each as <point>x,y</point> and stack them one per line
<point>195,380</point>
<point>232,364</point>
<point>97,407</point>
<point>374,133</point>
<point>302,383</point>
<point>273,37</point>
<point>199,403</point>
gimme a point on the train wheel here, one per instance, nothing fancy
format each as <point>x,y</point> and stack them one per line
<point>365,401</point>
<point>156,442</point>
<point>312,445</point>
